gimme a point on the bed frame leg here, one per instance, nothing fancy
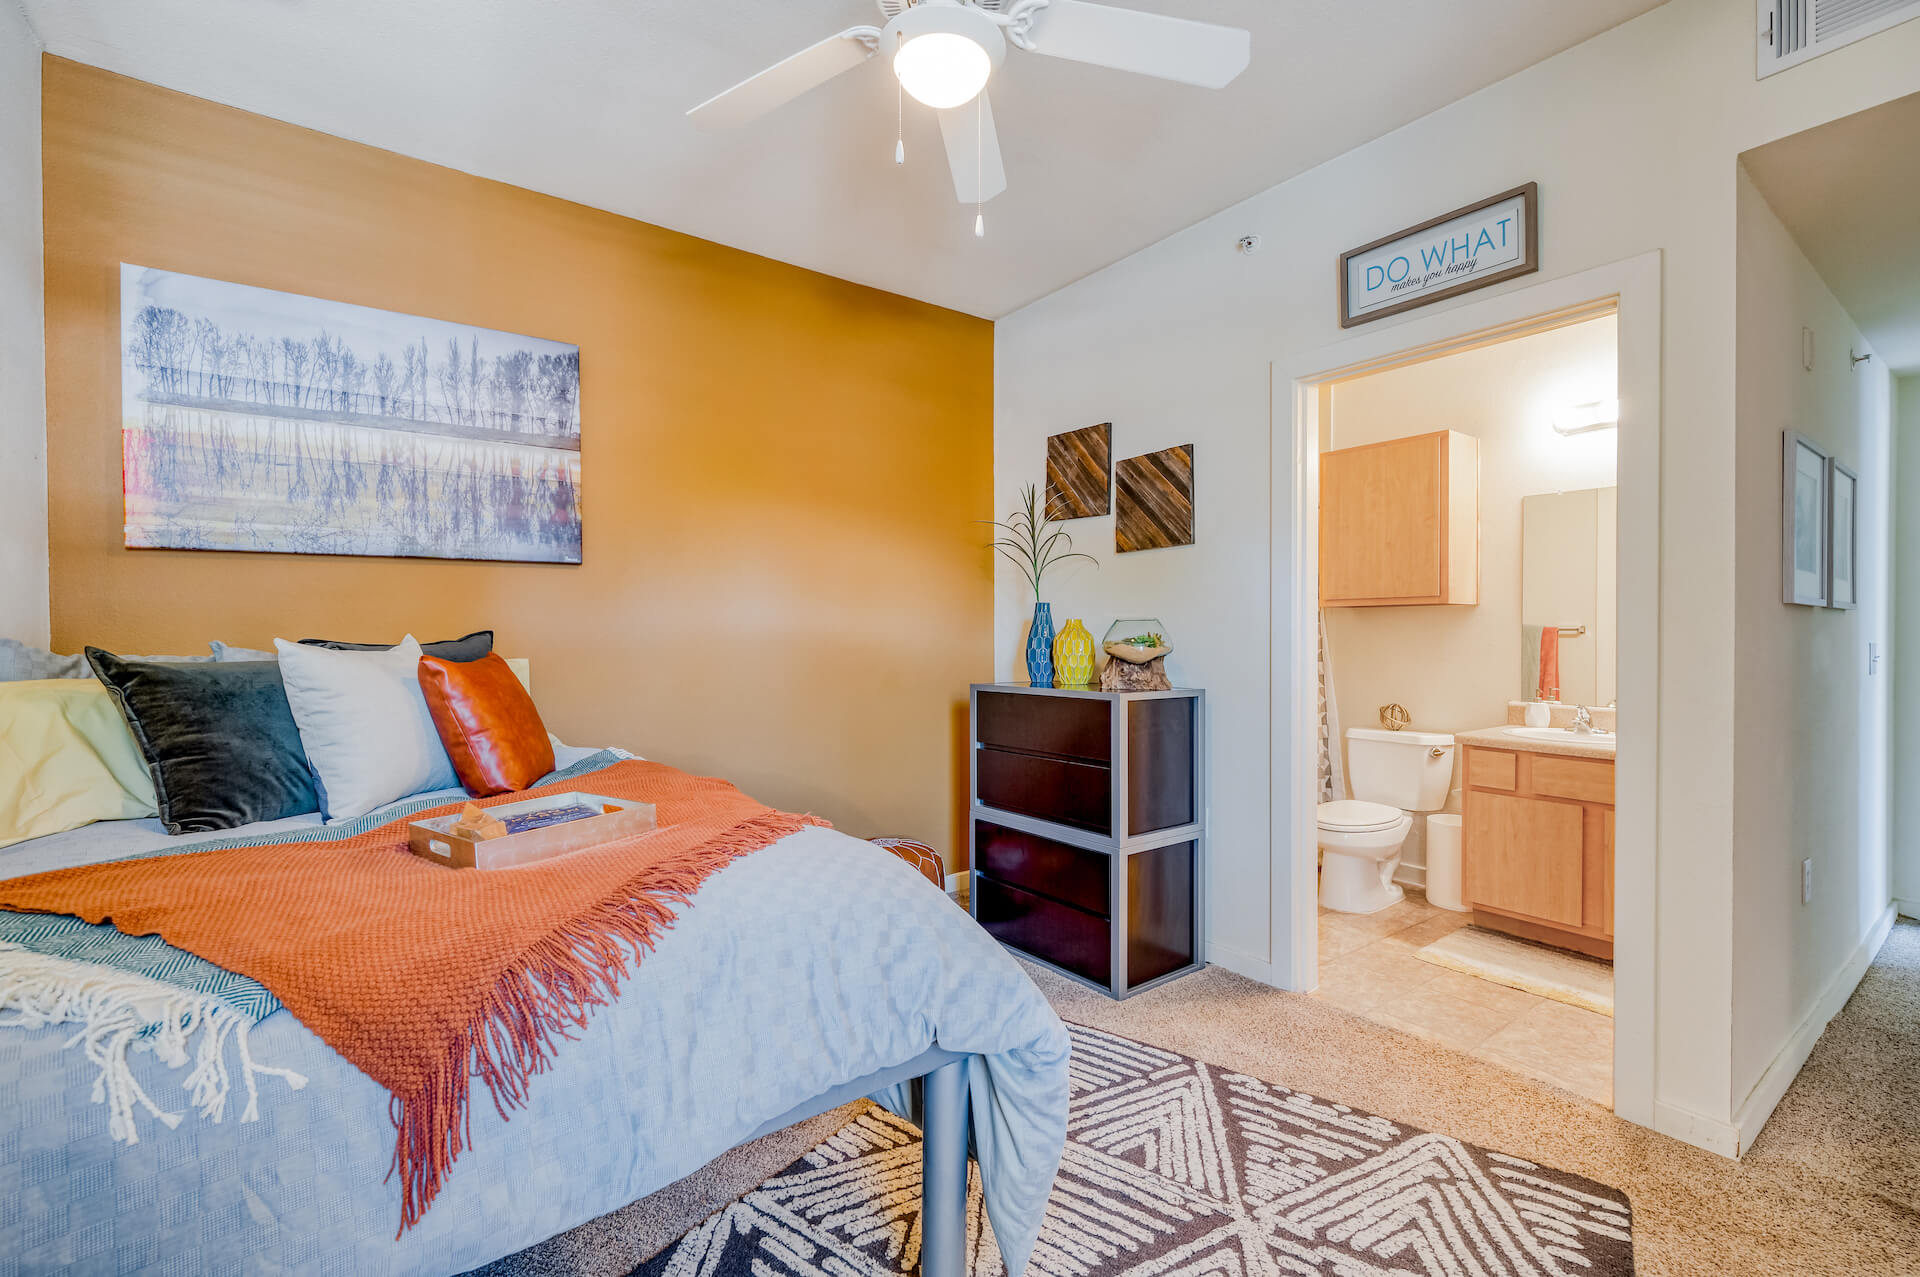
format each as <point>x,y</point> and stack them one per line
<point>943,1208</point>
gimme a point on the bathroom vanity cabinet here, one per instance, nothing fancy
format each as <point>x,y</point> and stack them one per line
<point>1537,847</point>
<point>1400,522</point>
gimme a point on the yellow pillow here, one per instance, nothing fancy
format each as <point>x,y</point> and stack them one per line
<point>66,760</point>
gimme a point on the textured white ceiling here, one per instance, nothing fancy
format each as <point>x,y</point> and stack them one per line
<point>1849,192</point>
<point>584,99</point>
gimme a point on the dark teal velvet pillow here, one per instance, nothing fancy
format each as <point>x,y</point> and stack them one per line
<point>219,740</point>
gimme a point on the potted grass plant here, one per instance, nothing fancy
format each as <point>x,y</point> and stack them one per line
<point>1031,542</point>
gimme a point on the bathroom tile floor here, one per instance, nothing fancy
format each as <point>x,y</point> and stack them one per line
<point>1368,967</point>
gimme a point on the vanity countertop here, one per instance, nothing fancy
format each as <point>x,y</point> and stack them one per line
<point>1565,744</point>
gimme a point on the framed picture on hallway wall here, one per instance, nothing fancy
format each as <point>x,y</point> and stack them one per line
<point>270,422</point>
<point>1803,516</point>
<point>1843,535</point>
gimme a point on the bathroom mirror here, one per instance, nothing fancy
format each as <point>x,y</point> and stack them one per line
<point>1567,585</point>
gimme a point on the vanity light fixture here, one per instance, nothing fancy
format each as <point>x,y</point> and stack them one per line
<point>1601,414</point>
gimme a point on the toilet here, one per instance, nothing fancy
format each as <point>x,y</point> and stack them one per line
<point>1392,775</point>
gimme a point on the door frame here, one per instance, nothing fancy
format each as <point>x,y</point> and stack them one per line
<point>1630,290</point>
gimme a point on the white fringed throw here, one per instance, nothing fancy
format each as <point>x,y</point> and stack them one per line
<point>121,1012</point>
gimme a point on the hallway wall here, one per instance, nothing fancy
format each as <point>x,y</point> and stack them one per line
<point>1812,719</point>
<point>1906,645</point>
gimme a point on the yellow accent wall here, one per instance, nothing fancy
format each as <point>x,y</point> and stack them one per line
<point>783,583</point>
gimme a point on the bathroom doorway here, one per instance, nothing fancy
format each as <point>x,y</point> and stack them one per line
<point>1517,586</point>
<point>1467,611</point>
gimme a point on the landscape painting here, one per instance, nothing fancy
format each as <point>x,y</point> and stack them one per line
<point>266,421</point>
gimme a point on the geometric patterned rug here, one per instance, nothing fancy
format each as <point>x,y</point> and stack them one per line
<point>1179,1168</point>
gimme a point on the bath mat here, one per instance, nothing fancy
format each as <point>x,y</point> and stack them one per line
<point>1176,1166</point>
<point>1551,973</point>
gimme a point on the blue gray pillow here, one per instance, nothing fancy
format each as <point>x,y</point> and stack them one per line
<point>22,662</point>
<point>228,652</point>
<point>218,738</point>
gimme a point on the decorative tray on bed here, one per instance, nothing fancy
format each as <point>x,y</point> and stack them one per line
<point>534,830</point>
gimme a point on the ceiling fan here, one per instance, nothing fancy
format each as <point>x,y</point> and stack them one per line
<point>944,52</point>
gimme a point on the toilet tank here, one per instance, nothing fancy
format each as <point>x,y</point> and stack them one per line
<point>1408,770</point>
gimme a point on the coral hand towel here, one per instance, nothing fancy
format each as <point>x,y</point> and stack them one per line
<point>1549,663</point>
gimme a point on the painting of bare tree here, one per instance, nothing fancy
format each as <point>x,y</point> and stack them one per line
<point>259,420</point>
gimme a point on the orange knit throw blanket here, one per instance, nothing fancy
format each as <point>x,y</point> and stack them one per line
<point>423,976</point>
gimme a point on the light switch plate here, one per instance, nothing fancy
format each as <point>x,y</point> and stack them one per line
<point>1806,881</point>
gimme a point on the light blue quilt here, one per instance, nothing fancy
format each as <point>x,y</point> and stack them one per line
<point>795,970</point>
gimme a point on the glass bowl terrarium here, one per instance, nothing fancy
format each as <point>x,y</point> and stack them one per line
<point>1136,640</point>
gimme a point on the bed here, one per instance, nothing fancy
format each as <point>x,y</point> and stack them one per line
<point>810,973</point>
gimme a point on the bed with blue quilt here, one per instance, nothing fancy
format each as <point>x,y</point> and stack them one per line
<point>798,977</point>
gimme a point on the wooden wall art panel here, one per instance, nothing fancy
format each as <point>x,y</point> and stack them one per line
<point>1154,500</point>
<point>1080,472</point>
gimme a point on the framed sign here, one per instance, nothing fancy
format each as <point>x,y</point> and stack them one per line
<point>1454,253</point>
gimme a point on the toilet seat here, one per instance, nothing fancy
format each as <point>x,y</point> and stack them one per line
<point>1353,816</point>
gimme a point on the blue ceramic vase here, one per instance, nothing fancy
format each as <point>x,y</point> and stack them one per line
<point>1040,647</point>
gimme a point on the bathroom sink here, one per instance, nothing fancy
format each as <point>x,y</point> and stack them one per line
<point>1559,734</point>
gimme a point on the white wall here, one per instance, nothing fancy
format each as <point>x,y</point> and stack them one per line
<point>23,360</point>
<point>1812,722</point>
<point>1905,659</point>
<point>1633,138</point>
<point>1455,668</point>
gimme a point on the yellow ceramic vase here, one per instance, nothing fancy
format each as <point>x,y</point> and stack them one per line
<point>1073,656</point>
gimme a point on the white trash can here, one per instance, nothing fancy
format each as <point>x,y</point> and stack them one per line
<point>1443,862</point>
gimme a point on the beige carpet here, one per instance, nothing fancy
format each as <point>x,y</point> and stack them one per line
<point>1586,983</point>
<point>1832,1189</point>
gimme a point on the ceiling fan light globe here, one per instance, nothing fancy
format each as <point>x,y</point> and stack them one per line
<point>942,69</point>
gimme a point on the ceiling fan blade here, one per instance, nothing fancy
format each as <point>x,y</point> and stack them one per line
<point>974,154</point>
<point>1148,43</point>
<point>784,81</point>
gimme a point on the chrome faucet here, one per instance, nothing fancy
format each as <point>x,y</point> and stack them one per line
<point>1582,721</point>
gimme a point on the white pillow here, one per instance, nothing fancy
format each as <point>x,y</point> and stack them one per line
<point>364,723</point>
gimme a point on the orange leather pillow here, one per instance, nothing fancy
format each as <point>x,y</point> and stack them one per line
<point>487,722</point>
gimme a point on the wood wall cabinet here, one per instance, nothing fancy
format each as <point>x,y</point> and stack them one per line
<point>1400,522</point>
<point>1538,847</point>
<point>1089,830</point>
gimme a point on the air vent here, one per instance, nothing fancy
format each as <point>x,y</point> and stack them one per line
<point>1832,17</point>
<point>1790,26</point>
<point>1791,31</point>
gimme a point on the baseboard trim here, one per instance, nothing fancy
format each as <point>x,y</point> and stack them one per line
<point>1249,965</point>
<point>1767,1093</point>
<point>956,881</point>
<point>1907,909</point>
<point>1411,876</point>
<point>1696,1129</point>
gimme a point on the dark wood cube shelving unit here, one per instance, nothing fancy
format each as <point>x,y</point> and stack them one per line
<point>1088,831</point>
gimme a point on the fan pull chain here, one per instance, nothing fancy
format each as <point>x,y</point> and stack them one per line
<point>899,123</point>
<point>979,166</point>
